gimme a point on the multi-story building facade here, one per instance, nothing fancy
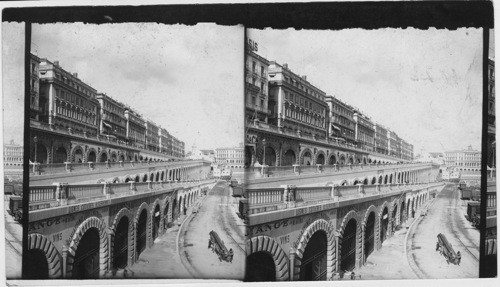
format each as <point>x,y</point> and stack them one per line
<point>364,131</point>
<point>381,141</point>
<point>71,122</point>
<point>406,150</point>
<point>394,146</point>
<point>112,120</point>
<point>13,155</point>
<point>135,128</point>
<point>231,157</point>
<point>152,136</point>
<point>467,162</point>
<point>65,101</point>
<point>491,117</point>
<point>34,87</point>
<point>342,124</point>
<point>256,87</point>
<point>300,106</point>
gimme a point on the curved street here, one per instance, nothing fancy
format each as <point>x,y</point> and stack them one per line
<point>217,213</point>
<point>446,216</point>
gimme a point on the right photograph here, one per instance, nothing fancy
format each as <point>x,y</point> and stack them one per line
<point>363,154</point>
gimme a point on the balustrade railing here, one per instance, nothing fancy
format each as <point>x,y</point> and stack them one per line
<point>312,193</point>
<point>265,196</point>
<point>64,194</point>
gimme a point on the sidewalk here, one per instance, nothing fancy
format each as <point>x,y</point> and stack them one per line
<point>389,262</point>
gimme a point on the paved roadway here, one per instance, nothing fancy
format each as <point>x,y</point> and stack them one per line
<point>13,244</point>
<point>218,213</point>
<point>446,215</point>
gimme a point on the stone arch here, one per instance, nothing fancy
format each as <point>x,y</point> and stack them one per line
<point>365,181</point>
<point>378,242</point>
<point>73,155</point>
<point>303,153</point>
<point>269,245</point>
<point>342,159</point>
<point>143,206</point>
<point>124,212</point>
<point>350,215</point>
<point>151,215</point>
<point>115,180</point>
<point>376,230</point>
<point>41,242</point>
<point>91,222</point>
<point>320,156</point>
<point>332,159</point>
<point>60,154</point>
<point>113,156</point>
<point>289,156</point>
<point>325,226</point>
<point>374,180</point>
<point>91,155</point>
<point>102,155</point>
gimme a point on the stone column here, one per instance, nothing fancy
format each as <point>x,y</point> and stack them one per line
<point>291,264</point>
<point>110,234</point>
<point>64,261</point>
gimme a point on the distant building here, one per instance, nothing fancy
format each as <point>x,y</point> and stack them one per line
<point>231,157</point>
<point>364,131</point>
<point>34,87</point>
<point>13,155</point>
<point>256,87</point>
<point>467,162</point>
<point>112,117</point>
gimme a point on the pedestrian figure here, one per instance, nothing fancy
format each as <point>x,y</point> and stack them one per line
<point>352,275</point>
<point>459,257</point>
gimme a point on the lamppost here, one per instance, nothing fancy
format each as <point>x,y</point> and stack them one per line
<point>263,157</point>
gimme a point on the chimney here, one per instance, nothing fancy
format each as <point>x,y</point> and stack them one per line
<point>285,65</point>
<point>75,75</point>
<point>304,78</point>
<point>56,63</point>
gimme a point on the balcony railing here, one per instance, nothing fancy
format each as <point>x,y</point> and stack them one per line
<point>270,199</point>
<point>61,194</point>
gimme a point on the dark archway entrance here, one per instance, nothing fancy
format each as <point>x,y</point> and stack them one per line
<point>260,267</point>
<point>165,219</point>
<point>141,233</point>
<point>306,159</point>
<point>369,235</point>
<point>91,156</point>
<point>79,155</point>
<point>348,250</point>
<point>37,266</point>
<point>394,217</point>
<point>249,155</point>
<point>289,158</point>
<point>86,262</point>
<point>41,154</point>
<point>332,160</point>
<point>313,265</point>
<point>60,155</point>
<point>321,159</point>
<point>120,248</point>
<point>104,157</point>
<point>156,221</point>
<point>402,212</point>
<point>270,156</point>
<point>175,210</point>
<point>384,225</point>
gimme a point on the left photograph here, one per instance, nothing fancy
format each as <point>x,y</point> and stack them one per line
<point>132,151</point>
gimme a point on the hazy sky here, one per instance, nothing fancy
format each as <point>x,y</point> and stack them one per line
<point>13,81</point>
<point>423,84</point>
<point>188,79</point>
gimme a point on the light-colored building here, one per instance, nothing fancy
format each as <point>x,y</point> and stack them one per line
<point>364,131</point>
<point>230,157</point>
<point>381,141</point>
<point>136,128</point>
<point>467,162</point>
<point>112,117</point>
<point>256,86</point>
<point>342,125</point>
<point>13,155</point>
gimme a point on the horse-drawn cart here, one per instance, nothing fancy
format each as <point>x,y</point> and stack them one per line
<point>217,246</point>
<point>445,249</point>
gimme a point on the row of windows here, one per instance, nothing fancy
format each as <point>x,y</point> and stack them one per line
<point>303,102</point>
<point>74,85</point>
<point>75,114</point>
<point>113,108</point>
<point>298,85</point>
<point>342,111</point>
<point>75,100</point>
<point>255,69</point>
<point>307,118</point>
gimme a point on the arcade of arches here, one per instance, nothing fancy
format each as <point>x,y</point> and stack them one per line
<point>99,244</point>
<point>317,249</point>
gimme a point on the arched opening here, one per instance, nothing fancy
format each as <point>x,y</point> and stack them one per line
<point>175,209</point>
<point>78,155</point>
<point>365,182</point>
<point>249,155</point>
<point>141,233</point>
<point>369,235</point>
<point>162,176</point>
<point>37,265</point>
<point>104,157</point>
<point>385,179</point>
<point>158,176</point>
<point>270,156</point>
<point>321,159</point>
<point>60,155</point>
<point>113,157</point>
<point>145,178</point>
<point>260,267</point>
<point>313,264</point>
<point>115,180</point>
<point>127,179</point>
<point>390,178</point>
<point>364,160</point>
<point>402,212</point>
<point>91,157</point>
<point>86,261</point>
<point>351,160</point>
<point>344,183</point>
<point>122,157</point>
<point>332,160</point>
<point>342,159</point>
<point>165,215</point>
<point>289,158</point>
<point>120,247</point>
<point>380,180</point>
<point>384,224</point>
<point>306,158</point>
<point>355,182</point>
<point>185,205</point>
<point>152,177</point>
<point>156,221</point>
<point>348,250</point>
<point>394,214</point>
<point>374,180</point>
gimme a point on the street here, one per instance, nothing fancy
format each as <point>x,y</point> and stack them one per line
<point>218,213</point>
<point>446,216</point>
<point>13,244</point>
<point>182,252</point>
